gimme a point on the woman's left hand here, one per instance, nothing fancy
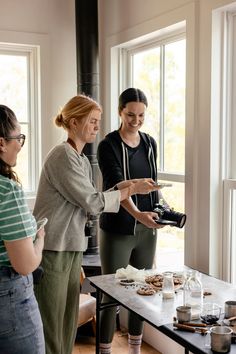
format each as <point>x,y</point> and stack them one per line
<point>148,218</point>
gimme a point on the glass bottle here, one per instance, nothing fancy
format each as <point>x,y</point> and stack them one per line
<point>168,290</point>
<point>186,277</point>
<point>193,294</point>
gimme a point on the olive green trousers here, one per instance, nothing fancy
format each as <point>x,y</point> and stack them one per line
<point>117,251</point>
<point>58,297</point>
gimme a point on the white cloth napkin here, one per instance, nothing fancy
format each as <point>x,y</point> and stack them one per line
<point>132,273</point>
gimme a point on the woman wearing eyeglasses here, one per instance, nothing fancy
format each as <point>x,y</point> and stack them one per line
<point>21,327</point>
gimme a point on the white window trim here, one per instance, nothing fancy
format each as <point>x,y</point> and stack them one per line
<point>33,53</point>
<point>223,169</point>
<point>228,246</point>
<point>40,45</point>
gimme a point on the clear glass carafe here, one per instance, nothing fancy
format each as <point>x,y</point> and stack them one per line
<point>193,294</point>
<point>168,290</point>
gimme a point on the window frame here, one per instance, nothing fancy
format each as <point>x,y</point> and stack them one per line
<point>223,147</point>
<point>125,79</point>
<point>32,52</point>
<point>121,56</point>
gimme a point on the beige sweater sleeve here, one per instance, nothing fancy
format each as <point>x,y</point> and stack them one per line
<point>112,203</point>
<point>70,174</point>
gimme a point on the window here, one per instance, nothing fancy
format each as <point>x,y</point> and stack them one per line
<point>229,227</point>
<point>224,75</point>
<point>158,68</point>
<point>223,147</point>
<point>19,90</point>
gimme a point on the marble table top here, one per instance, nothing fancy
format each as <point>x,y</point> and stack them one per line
<point>154,309</point>
<point>159,312</point>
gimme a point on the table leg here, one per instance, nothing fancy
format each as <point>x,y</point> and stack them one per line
<point>98,297</point>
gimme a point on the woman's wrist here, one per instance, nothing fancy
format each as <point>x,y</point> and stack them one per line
<point>124,184</point>
<point>131,190</point>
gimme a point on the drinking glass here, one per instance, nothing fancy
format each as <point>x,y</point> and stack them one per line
<point>210,313</point>
<point>168,290</point>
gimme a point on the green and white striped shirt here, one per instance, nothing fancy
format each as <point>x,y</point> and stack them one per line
<point>16,220</point>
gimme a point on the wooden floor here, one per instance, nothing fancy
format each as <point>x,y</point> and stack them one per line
<point>86,345</point>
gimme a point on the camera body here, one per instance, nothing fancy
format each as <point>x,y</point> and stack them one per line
<point>166,214</point>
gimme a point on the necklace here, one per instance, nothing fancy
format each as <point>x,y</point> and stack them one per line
<point>133,142</point>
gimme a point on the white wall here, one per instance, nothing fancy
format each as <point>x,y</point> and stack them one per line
<point>50,23</point>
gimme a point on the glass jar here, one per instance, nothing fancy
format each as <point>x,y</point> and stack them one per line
<point>193,294</point>
<point>187,275</point>
<point>168,290</point>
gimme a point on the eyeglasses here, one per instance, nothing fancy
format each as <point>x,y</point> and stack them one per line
<point>20,138</point>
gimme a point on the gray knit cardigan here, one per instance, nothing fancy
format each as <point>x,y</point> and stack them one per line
<point>66,195</point>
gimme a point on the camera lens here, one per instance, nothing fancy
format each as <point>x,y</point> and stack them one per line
<point>179,218</point>
<point>182,221</point>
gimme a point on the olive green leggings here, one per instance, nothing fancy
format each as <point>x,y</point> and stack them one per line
<point>117,251</point>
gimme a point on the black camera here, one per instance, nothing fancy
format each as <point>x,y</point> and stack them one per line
<point>168,216</point>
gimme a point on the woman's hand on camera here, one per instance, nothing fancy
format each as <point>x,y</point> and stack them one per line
<point>148,218</point>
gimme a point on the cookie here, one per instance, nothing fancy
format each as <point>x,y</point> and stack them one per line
<point>146,290</point>
<point>154,278</point>
<point>126,281</point>
<point>157,284</point>
<point>177,281</point>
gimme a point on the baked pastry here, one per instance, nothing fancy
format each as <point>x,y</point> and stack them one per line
<point>157,284</point>
<point>146,291</point>
<point>156,281</point>
<point>177,280</point>
<point>154,278</point>
<point>127,282</point>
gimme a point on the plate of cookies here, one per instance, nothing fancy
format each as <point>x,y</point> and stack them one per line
<point>155,283</point>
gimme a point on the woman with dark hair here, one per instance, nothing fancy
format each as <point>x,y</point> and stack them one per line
<point>66,195</point>
<point>21,327</point>
<point>128,237</point>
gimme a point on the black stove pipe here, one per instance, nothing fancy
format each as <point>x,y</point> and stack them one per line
<point>86,19</point>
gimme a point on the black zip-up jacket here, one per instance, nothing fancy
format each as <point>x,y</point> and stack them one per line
<point>113,160</point>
